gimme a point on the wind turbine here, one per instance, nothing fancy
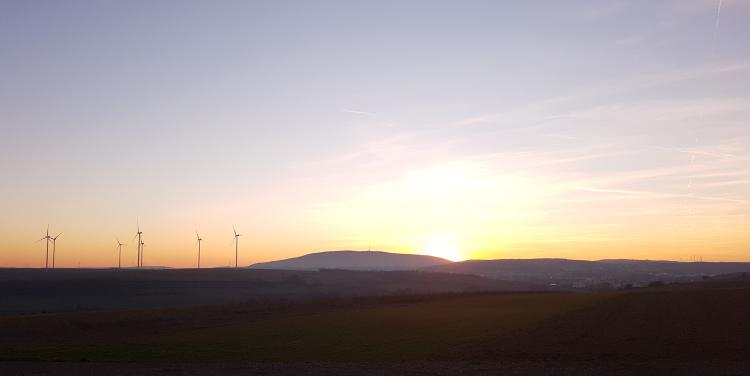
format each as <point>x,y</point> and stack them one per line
<point>54,247</point>
<point>46,259</point>
<point>236,242</point>
<point>140,243</point>
<point>199,239</point>
<point>119,253</point>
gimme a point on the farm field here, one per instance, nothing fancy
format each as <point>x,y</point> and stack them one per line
<point>345,330</point>
<point>698,329</point>
<point>28,291</point>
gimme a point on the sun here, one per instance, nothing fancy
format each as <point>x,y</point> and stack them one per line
<point>444,248</point>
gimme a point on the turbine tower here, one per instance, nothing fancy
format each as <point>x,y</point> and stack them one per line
<point>199,239</point>
<point>139,244</point>
<point>46,257</point>
<point>236,242</point>
<point>54,247</point>
<point>119,253</point>
<point>142,246</point>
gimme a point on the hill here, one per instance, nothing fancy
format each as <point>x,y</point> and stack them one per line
<point>592,274</point>
<point>354,260</point>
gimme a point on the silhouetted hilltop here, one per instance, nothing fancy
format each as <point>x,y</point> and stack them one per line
<point>559,273</point>
<point>354,260</point>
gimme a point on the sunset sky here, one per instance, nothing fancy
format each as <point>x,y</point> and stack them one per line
<point>466,129</point>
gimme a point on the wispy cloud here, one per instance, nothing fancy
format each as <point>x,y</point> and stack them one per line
<point>582,103</point>
<point>356,112</point>
<point>602,190</point>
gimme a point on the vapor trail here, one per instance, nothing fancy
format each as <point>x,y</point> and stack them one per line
<point>718,17</point>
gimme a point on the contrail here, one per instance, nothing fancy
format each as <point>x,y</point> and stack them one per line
<point>718,15</point>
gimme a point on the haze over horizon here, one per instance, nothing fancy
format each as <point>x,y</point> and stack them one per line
<point>495,130</point>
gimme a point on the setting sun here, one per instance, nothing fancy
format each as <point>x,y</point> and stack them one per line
<point>443,247</point>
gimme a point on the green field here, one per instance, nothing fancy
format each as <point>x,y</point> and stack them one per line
<point>351,330</point>
<point>696,329</point>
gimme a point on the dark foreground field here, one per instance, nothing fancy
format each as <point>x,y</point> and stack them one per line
<point>692,329</point>
<point>75,290</point>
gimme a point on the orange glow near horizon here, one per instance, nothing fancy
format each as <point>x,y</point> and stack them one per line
<point>458,210</point>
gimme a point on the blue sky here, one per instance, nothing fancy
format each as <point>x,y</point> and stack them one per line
<point>586,129</point>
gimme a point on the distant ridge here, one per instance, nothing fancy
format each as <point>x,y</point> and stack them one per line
<point>557,272</point>
<point>617,272</point>
<point>558,265</point>
<point>354,260</point>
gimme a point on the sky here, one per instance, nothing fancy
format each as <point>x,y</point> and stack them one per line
<point>462,129</point>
